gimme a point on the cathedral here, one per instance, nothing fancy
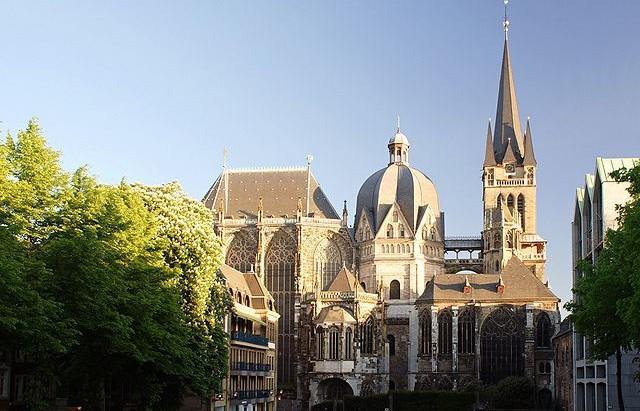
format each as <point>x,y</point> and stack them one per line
<point>389,303</point>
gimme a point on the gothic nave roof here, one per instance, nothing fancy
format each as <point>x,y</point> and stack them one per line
<point>280,190</point>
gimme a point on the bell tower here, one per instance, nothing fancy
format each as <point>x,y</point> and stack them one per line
<point>509,183</point>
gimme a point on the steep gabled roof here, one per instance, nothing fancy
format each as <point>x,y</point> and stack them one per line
<point>489,155</point>
<point>529,155</point>
<point>280,190</point>
<point>520,285</point>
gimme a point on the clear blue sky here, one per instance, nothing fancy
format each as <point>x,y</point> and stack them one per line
<point>153,91</point>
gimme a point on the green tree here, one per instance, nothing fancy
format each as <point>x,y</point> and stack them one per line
<point>32,190</point>
<point>114,284</point>
<point>192,251</point>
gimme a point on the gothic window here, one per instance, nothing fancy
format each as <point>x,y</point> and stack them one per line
<point>394,290</point>
<point>425,332</point>
<point>496,240</point>
<point>509,239</point>
<point>247,302</point>
<point>364,286</point>
<point>242,252</point>
<point>279,275</point>
<point>499,200</point>
<point>334,343</point>
<point>510,202</point>
<point>348,344</point>
<point>502,346</point>
<point>367,336</point>
<point>490,177</point>
<point>395,216</point>
<point>425,233</point>
<point>466,332</point>
<point>543,331</point>
<point>392,344</point>
<point>320,343</point>
<point>445,341</point>
<point>433,233</point>
<point>401,230</point>
<point>327,262</point>
<point>389,231</point>
<point>521,210</point>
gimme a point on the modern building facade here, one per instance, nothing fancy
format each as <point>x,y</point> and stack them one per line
<point>594,213</point>
<point>389,303</point>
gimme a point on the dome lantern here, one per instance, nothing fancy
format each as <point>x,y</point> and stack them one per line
<point>398,147</point>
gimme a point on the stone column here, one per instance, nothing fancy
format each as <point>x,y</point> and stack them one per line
<point>434,339</point>
<point>529,343</point>
<point>454,339</point>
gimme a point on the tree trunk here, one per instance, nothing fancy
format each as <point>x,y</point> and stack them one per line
<point>619,378</point>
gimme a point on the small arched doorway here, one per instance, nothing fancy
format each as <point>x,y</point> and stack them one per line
<point>334,389</point>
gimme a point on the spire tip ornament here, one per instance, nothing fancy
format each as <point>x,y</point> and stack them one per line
<point>505,23</point>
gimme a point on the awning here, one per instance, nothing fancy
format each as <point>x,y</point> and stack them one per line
<point>247,315</point>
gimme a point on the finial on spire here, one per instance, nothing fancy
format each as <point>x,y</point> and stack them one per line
<point>505,23</point>
<point>398,124</point>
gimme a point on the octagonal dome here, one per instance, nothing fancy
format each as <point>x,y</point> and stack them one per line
<point>397,183</point>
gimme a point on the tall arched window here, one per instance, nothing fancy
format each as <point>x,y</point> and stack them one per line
<point>392,344</point>
<point>401,230</point>
<point>394,290</point>
<point>242,252</point>
<point>425,332</point>
<point>348,344</point>
<point>445,341</point>
<point>279,270</point>
<point>334,343</point>
<point>499,200</point>
<point>327,262</point>
<point>530,176</point>
<point>543,331</point>
<point>521,210</point>
<point>389,231</point>
<point>510,202</point>
<point>320,343</point>
<point>466,331</point>
<point>367,336</point>
<point>425,233</point>
<point>433,233</point>
<point>502,345</point>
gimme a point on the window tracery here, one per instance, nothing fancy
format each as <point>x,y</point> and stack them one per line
<point>242,252</point>
<point>445,341</point>
<point>367,336</point>
<point>543,331</point>
<point>425,333</point>
<point>466,331</point>
<point>502,345</point>
<point>327,262</point>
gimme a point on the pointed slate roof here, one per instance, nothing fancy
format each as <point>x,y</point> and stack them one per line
<point>509,156</point>
<point>489,155</point>
<point>529,156</point>
<point>345,281</point>
<point>507,116</point>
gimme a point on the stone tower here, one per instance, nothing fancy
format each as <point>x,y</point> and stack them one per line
<point>509,184</point>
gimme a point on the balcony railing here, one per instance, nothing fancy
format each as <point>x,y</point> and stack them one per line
<point>249,338</point>
<point>250,366</point>
<point>251,394</point>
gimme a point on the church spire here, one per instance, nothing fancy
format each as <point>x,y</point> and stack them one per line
<point>489,156</point>
<point>529,156</point>
<point>507,116</point>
